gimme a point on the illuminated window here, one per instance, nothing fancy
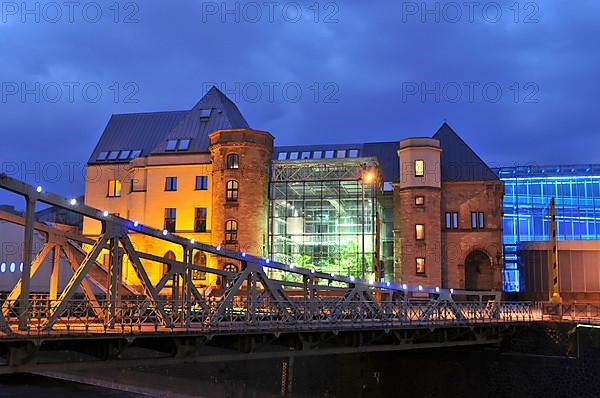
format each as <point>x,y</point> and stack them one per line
<point>293,155</point>
<point>341,153</point>
<point>201,183</point>
<point>282,156</point>
<point>305,155</point>
<point>232,191</point>
<point>420,231</point>
<point>231,231</point>
<point>233,161</point>
<point>420,266</point>
<point>353,153</point>
<point>112,155</point>
<point>171,184</point>
<point>114,188</point>
<point>231,268</point>
<point>419,168</point>
<point>477,220</point>
<point>170,219</point>
<point>419,200</point>
<point>451,220</point>
<point>329,154</point>
<point>200,260</point>
<point>102,155</point>
<point>124,155</point>
<point>200,220</point>
<point>317,154</point>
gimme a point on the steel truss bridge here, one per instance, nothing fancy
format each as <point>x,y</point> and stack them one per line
<point>258,313</point>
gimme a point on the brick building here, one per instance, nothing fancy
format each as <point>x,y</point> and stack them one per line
<point>418,210</point>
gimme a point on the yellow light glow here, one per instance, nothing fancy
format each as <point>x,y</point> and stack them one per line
<point>369,177</point>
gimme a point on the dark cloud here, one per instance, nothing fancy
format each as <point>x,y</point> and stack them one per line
<point>353,65</point>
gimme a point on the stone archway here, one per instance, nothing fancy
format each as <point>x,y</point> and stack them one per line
<point>478,271</point>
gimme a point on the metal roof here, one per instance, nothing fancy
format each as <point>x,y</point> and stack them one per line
<point>149,132</point>
<point>136,131</point>
<point>459,161</point>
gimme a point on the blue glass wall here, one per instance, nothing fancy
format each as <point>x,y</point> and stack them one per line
<point>528,190</point>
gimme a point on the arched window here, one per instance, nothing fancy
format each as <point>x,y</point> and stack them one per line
<point>230,268</point>
<point>233,161</point>
<point>231,231</point>
<point>232,191</point>
<point>199,259</point>
<point>169,256</point>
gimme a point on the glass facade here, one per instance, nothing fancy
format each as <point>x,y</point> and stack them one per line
<point>323,217</point>
<point>528,191</point>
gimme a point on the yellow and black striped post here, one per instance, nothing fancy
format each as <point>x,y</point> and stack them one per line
<point>554,291</point>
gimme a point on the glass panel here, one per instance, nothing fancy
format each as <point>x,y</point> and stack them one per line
<point>305,155</point>
<point>205,113</point>
<point>282,156</point>
<point>329,154</point>
<point>113,155</point>
<point>341,153</point>
<point>124,155</point>
<point>171,145</point>
<point>317,154</point>
<point>184,144</point>
<point>136,154</point>
<point>293,155</point>
<point>102,155</point>
<point>353,153</point>
<point>419,168</point>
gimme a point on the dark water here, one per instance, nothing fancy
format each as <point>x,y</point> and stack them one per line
<point>549,362</point>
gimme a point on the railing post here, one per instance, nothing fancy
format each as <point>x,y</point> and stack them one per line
<point>114,279</point>
<point>27,255</point>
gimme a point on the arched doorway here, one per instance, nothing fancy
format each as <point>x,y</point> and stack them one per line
<point>478,271</point>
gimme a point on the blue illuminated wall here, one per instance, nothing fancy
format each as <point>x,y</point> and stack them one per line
<point>528,190</point>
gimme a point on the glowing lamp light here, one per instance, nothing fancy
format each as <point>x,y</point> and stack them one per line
<point>332,275</point>
<point>369,177</point>
<point>420,288</point>
<point>165,232</point>
<point>404,286</point>
<point>244,254</point>
<point>12,267</point>
<point>387,284</point>
<point>352,278</point>
<point>219,247</point>
<point>437,289</point>
<point>39,189</point>
<point>192,241</point>
<point>136,224</point>
<point>267,261</point>
<point>292,266</point>
<point>73,202</point>
<point>105,213</point>
<point>21,267</point>
<point>312,271</point>
<point>451,291</point>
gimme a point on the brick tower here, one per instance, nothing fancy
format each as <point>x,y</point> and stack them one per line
<point>417,213</point>
<point>240,174</point>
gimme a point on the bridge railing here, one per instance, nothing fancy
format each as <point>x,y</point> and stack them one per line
<point>575,312</point>
<point>140,315</point>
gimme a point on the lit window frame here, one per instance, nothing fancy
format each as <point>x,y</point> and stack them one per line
<point>200,219</point>
<point>420,232</point>
<point>233,161</point>
<point>420,200</point>
<point>170,221</point>
<point>419,168</point>
<point>115,188</point>
<point>232,189</point>
<point>420,266</point>
<point>231,231</point>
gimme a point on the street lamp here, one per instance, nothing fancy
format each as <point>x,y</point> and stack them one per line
<point>367,176</point>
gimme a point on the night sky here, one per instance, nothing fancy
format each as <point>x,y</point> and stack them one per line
<point>517,80</point>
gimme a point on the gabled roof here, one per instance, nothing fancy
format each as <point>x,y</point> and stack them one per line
<point>459,161</point>
<point>149,132</point>
<point>224,115</point>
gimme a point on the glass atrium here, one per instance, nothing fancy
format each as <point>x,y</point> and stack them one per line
<point>528,191</point>
<point>318,218</point>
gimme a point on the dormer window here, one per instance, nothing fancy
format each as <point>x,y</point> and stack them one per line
<point>205,114</point>
<point>178,145</point>
<point>171,145</point>
<point>184,145</point>
<point>124,155</point>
